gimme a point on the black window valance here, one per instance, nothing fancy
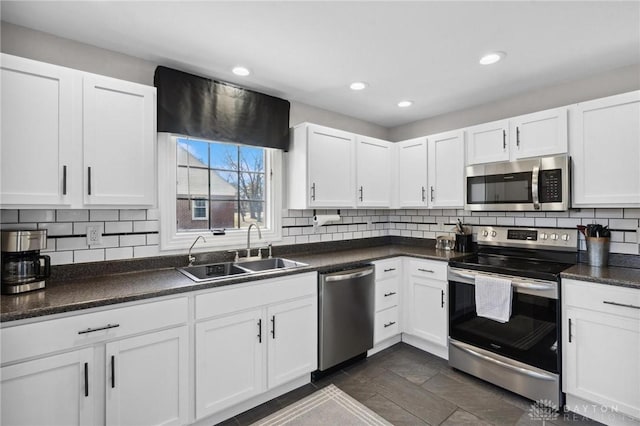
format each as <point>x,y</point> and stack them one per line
<point>196,106</point>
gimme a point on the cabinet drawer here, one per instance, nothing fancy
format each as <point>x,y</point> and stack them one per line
<point>51,335</point>
<point>386,324</point>
<point>386,294</point>
<point>258,293</point>
<point>602,298</point>
<point>387,268</point>
<point>428,269</point>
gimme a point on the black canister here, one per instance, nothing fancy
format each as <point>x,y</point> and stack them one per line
<point>464,243</point>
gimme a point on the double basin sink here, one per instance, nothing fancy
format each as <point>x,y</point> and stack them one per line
<point>216,271</point>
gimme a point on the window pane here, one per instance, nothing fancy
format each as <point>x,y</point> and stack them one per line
<point>185,219</point>
<point>192,153</point>
<point>251,212</point>
<point>224,185</point>
<point>251,186</point>
<point>251,159</point>
<point>224,156</point>
<point>223,214</point>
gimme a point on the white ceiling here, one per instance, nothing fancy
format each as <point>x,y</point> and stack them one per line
<point>311,51</point>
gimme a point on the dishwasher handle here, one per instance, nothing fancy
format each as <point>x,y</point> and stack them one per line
<point>348,275</point>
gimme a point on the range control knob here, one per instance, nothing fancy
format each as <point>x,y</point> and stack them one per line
<point>494,233</point>
<point>565,237</point>
<point>554,237</point>
<point>544,236</point>
<point>485,233</point>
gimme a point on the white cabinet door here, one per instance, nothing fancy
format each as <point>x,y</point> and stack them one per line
<point>427,305</point>
<point>36,150</point>
<point>56,390</point>
<point>147,379</point>
<point>118,142</point>
<point>330,159</point>
<point>605,149</point>
<point>373,169</point>
<point>539,134</point>
<point>292,337</point>
<point>412,173</point>
<point>446,170</point>
<point>488,143</point>
<point>230,360</point>
<point>602,359</point>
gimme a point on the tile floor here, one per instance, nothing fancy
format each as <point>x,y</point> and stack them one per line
<point>407,386</point>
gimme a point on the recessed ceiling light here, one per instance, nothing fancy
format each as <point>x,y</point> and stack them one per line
<point>404,104</point>
<point>241,71</point>
<point>358,85</point>
<point>492,58</point>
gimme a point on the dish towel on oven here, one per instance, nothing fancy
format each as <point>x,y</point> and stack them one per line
<point>493,298</point>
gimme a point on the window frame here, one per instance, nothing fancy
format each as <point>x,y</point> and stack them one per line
<point>194,207</point>
<point>174,242</point>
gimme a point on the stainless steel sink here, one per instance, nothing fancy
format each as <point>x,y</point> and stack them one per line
<point>269,264</point>
<point>217,271</point>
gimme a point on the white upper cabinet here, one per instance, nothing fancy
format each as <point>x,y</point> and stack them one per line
<point>84,139</point>
<point>373,172</point>
<point>605,150</point>
<point>532,135</point>
<point>539,134</point>
<point>37,132</point>
<point>321,168</point>
<point>446,169</point>
<point>488,142</point>
<point>118,142</point>
<point>412,173</point>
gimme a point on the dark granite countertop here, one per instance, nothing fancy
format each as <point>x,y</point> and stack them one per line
<point>67,295</point>
<point>623,277</point>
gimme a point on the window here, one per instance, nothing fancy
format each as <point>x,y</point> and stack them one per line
<point>199,210</point>
<point>207,185</point>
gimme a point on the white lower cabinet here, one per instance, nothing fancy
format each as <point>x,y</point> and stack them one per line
<point>387,304</point>
<point>54,390</point>
<point>253,339</point>
<point>601,361</point>
<point>426,308</point>
<point>130,363</point>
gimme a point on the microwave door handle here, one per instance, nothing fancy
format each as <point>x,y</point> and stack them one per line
<point>535,176</point>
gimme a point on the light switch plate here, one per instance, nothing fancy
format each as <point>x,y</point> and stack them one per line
<point>94,235</point>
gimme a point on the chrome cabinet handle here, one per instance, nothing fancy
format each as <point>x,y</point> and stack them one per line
<point>389,324</point>
<point>442,299</point>
<point>113,371</point>
<point>624,305</point>
<point>570,337</point>
<point>64,180</point>
<point>313,191</point>
<point>92,330</point>
<point>391,293</point>
<point>432,193</point>
<point>273,327</point>
<point>390,269</point>
<point>504,139</point>
<point>260,330</point>
<point>426,270</point>
<point>361,192</point>
<point>424,196</point>
<point>518,137</point>
<point>88,180</point>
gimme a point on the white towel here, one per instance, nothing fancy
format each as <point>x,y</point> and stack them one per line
<point>493,298</point>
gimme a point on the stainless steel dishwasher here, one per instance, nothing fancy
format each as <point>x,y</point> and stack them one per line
<point>346,308</point>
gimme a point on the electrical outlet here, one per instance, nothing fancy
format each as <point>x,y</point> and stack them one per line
<point>94,235</point>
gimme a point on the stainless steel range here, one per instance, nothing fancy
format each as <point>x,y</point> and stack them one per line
<point>523,353</point>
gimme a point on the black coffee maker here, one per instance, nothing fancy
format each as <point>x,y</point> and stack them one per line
<point>23,268</point>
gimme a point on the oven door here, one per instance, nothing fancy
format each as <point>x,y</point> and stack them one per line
<point>531,335</point>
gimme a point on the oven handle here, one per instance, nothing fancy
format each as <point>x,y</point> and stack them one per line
<point>534,186</point>
<point>520,370</point>
<point>517,284</point>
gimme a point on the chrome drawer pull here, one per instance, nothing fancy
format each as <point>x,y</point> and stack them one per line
<point>91,330</point>
<point>426,270</point>
<point>624,305</point>
<point>390,269</point>
<point>389,294</point>
<point>389,324</point>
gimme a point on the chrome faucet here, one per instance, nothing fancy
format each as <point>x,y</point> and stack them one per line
<point>192,258</point>
<point>249,238</point>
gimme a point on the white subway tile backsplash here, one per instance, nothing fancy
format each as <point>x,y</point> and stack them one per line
<point>133,240</point>
<point>61,257</point>
<point>118,227</point>
<point>582,213</point>
<point>546,221</point>
<point>632,213</point>
<point>525,221</point>
<point>108,241</point>
<point>505,221</point>
<point>55,229</point>
<point>629,224</point>
<point>609,213</point>
<point>74,243</point>
<point>103,215</point>
<point>80,228</point>
<point>71,215</point>
<point>153,239</point>
<point>19,226</point>
<point>146,251</point>
<point>153,214</point>
<point>488,221</point>
<point>302,239</point>
<point>146,226</point>
<point>625,248</point>
<point>9,216</point>
<point>37,216</point>
<point>569,222</point>
<point>118,253</point>
<point>83,256</point>
<point>133,215</point>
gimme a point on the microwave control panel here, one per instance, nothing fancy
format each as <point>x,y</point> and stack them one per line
<point>550,186</point>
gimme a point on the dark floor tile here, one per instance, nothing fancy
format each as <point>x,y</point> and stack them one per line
<point>392,412</point>
<point>327,380</point>
<point>569,418</point>
<point>229,422</point>
<point>358,391</point>
<point>416,371</point>
<point>367,369</point>
<point>416,400</point>
<point>296,394</point>
<point>463,418</point>
<point>259,412</point>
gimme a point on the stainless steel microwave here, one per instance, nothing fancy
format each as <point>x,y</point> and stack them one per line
<point>537,184</point>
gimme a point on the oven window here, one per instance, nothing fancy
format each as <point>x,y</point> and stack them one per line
<point>530,336</point>
<point>500,189</point>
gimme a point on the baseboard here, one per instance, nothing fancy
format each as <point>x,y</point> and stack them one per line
<point>387,343</point>
<point>253,402</point>
<point>432,348</point>
<point>607,415</point>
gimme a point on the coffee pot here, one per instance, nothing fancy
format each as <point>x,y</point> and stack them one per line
<point>23,268</point>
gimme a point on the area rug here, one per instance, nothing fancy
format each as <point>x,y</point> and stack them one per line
<point>327,406</point>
